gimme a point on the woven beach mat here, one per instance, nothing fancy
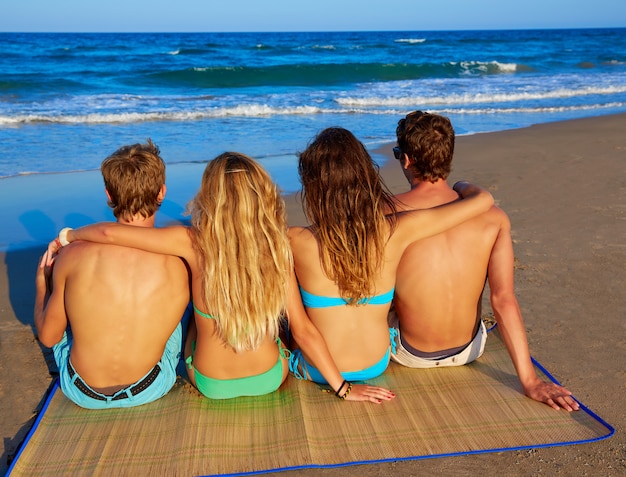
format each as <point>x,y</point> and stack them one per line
<point>436,413</point>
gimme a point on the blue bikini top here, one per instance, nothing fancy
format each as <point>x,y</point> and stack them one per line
<point>317,301</point>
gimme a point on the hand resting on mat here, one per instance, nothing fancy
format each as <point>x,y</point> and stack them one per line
<point>551,394</point>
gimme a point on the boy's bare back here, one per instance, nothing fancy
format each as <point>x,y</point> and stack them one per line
<point>123,304</point>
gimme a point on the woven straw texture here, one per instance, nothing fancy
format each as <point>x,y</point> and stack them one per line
<point>437,412</point>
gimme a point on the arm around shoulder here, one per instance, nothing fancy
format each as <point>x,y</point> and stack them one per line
<point>173,240</point>
<point>482,197</point>
<point>418,224</point>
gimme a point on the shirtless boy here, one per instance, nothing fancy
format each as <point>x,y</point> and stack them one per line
<point>123,306</point>
<point>440,279</point>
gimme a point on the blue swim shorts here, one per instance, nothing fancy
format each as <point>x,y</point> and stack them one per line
<point>154,385</point>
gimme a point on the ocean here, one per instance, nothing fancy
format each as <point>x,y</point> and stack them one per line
<point>69,100</point>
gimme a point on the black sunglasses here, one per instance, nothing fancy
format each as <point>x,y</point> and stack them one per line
<point>397,153</point>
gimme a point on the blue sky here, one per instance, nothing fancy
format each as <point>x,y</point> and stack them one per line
<point>304,15</point>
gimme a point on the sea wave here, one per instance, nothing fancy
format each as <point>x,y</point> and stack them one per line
<point>490,67</point>
<point>541,109</point>
<point>189,51</point>
<point>269,93</point>
<point>478,98</point>
<point>323,47</point>
<point>252,111</point>
<point>411,41</point>
<point>255,110</point>
<point>321,74</point>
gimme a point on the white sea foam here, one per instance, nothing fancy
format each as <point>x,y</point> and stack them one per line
<point>470,67</point>
<point>506,66</point>
<point>410,40</point>
<point>478,98</point>
<point>267,111</point>
<point>544,109</point>
<point>254,110</point>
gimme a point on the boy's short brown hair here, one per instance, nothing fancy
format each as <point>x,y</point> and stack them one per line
<point>133,176</point>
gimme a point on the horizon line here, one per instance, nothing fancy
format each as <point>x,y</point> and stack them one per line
<point>314,31</point>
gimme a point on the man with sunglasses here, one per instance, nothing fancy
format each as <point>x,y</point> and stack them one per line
<point>440,279</point>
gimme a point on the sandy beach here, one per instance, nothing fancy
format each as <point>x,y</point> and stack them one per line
<point>564,188</point>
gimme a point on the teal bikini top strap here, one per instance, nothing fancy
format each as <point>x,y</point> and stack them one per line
<point>202,314</point>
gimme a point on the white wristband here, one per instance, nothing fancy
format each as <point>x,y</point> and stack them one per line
<point>63,236</point>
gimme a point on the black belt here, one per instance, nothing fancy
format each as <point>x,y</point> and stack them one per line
<point>134,390</point>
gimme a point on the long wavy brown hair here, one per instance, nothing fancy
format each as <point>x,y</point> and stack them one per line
<point>239,228</point>
<point>346,202</point>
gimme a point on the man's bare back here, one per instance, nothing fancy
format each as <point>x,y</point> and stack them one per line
<point>123,304</point>
<point>440,279</point>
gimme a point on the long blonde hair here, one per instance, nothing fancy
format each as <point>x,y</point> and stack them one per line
<point>346,201</point>
<point>240,230</point>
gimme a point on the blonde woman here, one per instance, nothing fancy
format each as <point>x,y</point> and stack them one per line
<point>243,283</point>
<point>346,259</point>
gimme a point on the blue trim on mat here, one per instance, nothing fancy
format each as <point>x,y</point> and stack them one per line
<point>584,408</point>
<point>422,457</point>
<point>55,386</point>
<point>610,429</point>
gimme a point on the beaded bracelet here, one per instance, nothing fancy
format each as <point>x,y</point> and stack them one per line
<point>345,395</point>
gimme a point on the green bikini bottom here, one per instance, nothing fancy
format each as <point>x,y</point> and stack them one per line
<point>257,385</point>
